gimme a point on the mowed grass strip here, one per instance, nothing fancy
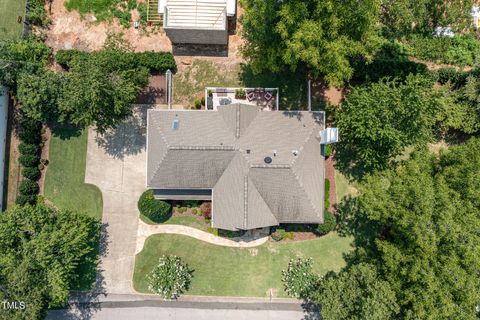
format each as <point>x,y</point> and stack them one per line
<point>64,181</point>
<point>249,272</point>
<point>10,10</point>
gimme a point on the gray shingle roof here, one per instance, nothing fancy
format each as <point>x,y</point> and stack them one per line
<point>224,150</point>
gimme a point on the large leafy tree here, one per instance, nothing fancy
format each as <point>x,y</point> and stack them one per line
<point>322,35</point>
<point>356,293</point>
<point>401,17</point>
<point>418,224</point>
<point>378,121</point>
<point>43,253</point>
<point>99,94</point>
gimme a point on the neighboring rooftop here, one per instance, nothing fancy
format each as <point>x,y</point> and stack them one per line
<point>264,167</point>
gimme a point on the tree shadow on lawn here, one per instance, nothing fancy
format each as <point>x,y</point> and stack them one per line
<point>129,138</point>
<point>352,222</point>
<point>292,86</point>
<point>65,132</point>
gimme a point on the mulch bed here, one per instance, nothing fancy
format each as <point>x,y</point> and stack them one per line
<point>154,93</point>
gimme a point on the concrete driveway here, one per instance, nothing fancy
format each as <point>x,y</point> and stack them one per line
<point>116,163</point>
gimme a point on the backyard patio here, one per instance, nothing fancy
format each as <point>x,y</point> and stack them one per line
<point>266,98</point>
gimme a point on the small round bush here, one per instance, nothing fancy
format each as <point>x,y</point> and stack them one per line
<point>32,173</point>
<point>169,278</point>
<point>329,223</point>
<point>41,166</point>
<point>279,234</point>
<point>30,149</point>
<point>30,131</point>
<point>28,160</point>
<point>23,199</point>
<point>155,210</point>
<point>28,187</point>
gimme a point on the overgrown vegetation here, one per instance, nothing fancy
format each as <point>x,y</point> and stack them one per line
<point>428,204</point>
<point>462,50</point>
<point>45,253</point>
<point>105,9</point>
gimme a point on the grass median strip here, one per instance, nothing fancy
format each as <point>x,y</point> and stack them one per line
<point>65,179</point>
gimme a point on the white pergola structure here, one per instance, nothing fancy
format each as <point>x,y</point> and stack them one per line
<point>197,21</point>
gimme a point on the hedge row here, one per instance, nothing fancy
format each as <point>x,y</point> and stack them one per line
<point>154,61</point>
<point>30,133</point>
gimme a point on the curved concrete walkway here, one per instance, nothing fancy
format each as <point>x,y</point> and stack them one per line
<point>146,230</point>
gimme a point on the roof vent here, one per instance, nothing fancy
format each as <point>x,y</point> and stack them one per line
<point>274,153</point>
<point>248,151</point>
<point>295,152</point>
<point>267,160</point>
<point>175,124</point>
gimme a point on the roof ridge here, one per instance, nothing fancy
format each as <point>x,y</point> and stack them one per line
<point>204,148</point>
<point>245,201</point>
<point>237,131</point>
<point>304,190</point>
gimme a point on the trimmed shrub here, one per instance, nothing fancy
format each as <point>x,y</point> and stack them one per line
<point>169,278</point>
<point>30,131</point>
<point>328,224</point>
<point>328,150</point>
<point>278,234</point>
<point>28,160</point>
<point>23,199</point>
<point>156,61</point>
<point>192,203</point>
<point>41,166</point>
<point>206,208</point>
<point>32,173</point>
<point>194,211</point>
<point>155,210</point>
<point>30,149</point>
<point>327,195</point>
<point>199,103</point>
<point>28,187</point>
<point>182,209</point>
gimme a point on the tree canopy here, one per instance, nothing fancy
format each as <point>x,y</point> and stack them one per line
<point>418,225</point>
<point>402,17</point>
<point>379,120</point>
<point>356,293</point>
<point>321,35</point>
<point>43,253</point>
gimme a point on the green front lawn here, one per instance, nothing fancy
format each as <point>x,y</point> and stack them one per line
<point>65,178</point>
<point>10,10</point>
<point>228,271</point>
